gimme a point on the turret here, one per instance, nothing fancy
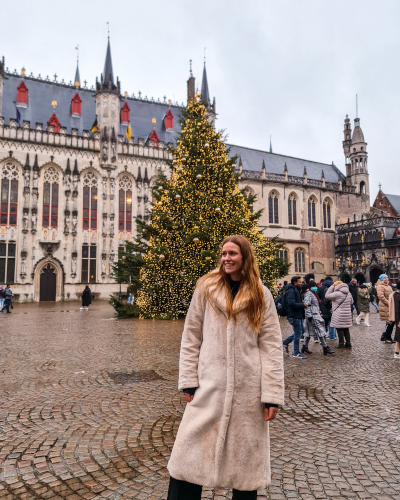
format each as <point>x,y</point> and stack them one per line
<point>355,151</point>
<point>205,97</point>
<point>108,112</point>
<point>191,85</point>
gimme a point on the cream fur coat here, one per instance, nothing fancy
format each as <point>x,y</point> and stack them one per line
<point>222,439</point>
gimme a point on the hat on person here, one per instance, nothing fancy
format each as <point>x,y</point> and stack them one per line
<point>383,276</point>
<point>398,285</point>
<point>364,285</point>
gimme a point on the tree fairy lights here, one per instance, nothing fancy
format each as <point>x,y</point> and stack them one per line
<point>192,211</point>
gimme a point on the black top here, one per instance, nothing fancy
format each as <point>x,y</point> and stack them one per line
<point>235,285</point>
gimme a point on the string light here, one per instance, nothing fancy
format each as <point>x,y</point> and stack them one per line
<point>190,217</point>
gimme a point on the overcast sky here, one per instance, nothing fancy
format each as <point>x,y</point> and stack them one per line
<point>286,68</point>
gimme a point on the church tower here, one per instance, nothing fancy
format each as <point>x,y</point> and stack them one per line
<point>355,151</point>
<point>108,98</point>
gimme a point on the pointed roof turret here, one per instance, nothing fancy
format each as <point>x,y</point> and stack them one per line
<point>205,95</point>
<point>77,76</point>
<point>107,78</point>
<point>358,135</point>
<point>270,144</point>
<point>76,171</point>
<point>108,73</point>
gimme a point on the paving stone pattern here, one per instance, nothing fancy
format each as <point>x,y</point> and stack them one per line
<point>89,408</point>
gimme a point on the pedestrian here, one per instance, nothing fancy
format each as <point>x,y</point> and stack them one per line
<point>231,371</point>
<point>394,316</point>
<point>342,317</point>
<point>131,298</point>
<point>295,316</point>
<point>384,290</point>
<point>314,322</point>
<point>86,298</point>
<point>7,299</point>
<point>353,290</point>
<point>326,307</point>
<point>373,296</point>
<point>363,305</point>
<point>307,278</point>
<point>2,296</point>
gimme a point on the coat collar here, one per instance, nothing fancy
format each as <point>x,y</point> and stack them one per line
<point>219,298</point>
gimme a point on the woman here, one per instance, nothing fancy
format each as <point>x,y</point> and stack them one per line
<point>394,315</point>
<point>314,323</point>
<point>86,298</point>
<point>326,307</point>
<point>384,290</point>
<point>363,304</point>
<point>231,371</point>
<point>340,296</point>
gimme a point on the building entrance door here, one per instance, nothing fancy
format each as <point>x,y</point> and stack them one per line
<point>374,274</point>
<point>48,280</point>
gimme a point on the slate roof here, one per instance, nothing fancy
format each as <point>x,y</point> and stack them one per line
<point>252,159</point>
<point>39,110</point>
<point>394,200</point>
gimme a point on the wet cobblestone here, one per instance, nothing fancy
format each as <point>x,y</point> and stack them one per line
<point>68,430</point>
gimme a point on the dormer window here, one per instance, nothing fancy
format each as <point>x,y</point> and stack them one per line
<point>54,121</point>
<point>22,95</point>
<point>154,137</point>
<point>169,120</point>
<point>125,114</point>
<point>76,105</point>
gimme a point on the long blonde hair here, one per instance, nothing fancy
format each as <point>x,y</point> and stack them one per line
<point>250,290</point>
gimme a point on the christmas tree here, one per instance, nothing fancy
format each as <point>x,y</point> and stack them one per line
<point>193,210</point>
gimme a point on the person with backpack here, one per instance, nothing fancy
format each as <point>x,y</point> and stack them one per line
<point>295,313</point>
<point>7,301</point>
<point>326,307</point>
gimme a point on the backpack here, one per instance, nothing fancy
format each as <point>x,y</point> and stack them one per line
<point>281,305</point>
<point>3,293</point>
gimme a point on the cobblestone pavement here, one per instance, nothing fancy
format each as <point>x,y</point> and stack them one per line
<point>89,408</point>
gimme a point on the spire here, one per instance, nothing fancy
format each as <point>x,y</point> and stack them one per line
<point>77,76</point>
<point>205,96</point>
<point>270,144</point>
<point>108,74</point>
<point>190,85</point>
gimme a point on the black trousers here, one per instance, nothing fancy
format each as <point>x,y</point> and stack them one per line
<point>389,330</point>
<point>344,333</point>
<point>182,490</point>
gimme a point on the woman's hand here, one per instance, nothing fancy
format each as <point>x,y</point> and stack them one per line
<point>188,397</point>
<point>270,413</point>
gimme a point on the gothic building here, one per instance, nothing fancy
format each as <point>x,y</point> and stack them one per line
<point>73,180</point>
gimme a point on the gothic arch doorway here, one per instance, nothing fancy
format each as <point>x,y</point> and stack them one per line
<point>374,274</point>
<point>48,282</point>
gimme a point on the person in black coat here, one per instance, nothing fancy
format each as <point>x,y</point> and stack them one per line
<point>326,307</point>
<point>307,278</point>
<point>86,298</point>
<point>353,290</point>
<point>295,315</point>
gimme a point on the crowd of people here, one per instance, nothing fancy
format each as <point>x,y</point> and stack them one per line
<point>324,310</point>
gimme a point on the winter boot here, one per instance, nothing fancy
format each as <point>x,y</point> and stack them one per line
<point>305,349</point>
<point>327,350</point>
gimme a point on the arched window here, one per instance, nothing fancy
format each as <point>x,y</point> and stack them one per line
<point>22,95</point>
<point>299,261</point>
<point>362,187</point>
<point>50,197</point>
<point>125,204</point>
<point>169,120</point>
<point>327,212</point>
<point>292,210</point>
<point>273,208</point>
<point>125,114</point>
<point>76,105</point>
<point>312,218</point>
<point>282,254</point>
<point>9,194</point>
<point>89,201</point>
